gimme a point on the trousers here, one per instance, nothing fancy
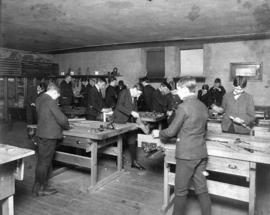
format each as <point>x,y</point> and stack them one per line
<point>45,154</point>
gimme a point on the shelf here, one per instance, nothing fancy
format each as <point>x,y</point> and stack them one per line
<point>85,76</point>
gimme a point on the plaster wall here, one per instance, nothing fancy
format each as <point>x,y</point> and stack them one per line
<point>217,59</point>
<point>128,61</point>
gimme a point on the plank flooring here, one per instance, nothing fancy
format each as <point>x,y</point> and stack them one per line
<point>133,193</point>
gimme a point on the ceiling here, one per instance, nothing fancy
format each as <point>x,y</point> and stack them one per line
<point>50,25</point>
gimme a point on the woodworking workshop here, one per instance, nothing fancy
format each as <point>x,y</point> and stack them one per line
<point>134,107</point>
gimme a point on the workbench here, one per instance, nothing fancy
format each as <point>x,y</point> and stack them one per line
<point>94,137</point>
<point>11,168</point>
<point>232,154</point>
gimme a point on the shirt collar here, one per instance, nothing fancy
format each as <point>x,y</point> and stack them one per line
<point>97,87</point>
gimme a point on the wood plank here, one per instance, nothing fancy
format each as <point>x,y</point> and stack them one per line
<point>94,174</point>
<point>222,189</point>
<point>106,181</point>
<point>10,153</point>
<point>229,166</point>
<point>8,206</point>
<point>77,142</point>
<point>252,189</point>
<point>73,159</point>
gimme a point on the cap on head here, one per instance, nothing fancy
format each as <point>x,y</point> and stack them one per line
<point>217,80</point>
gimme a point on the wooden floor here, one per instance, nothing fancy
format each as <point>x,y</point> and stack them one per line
<point>134,192</point>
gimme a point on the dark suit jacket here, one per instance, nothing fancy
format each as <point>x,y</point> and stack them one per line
<point>159,102</point>
<point>51,120</point>
<point>206,98</point>
<point>216,95</point>
<point>111,97</point>
<point>189,125</point>
<point>243,108</point>
<point>124,107</point>
<point>148,91</point>
<point>66,93</point>
<point>95,102</point>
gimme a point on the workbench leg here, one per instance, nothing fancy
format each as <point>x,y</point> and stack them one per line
<point>160,126</point>
<point>252,188</point>
<point>166,186</point>
<point>8,206</point>
<point>93,164</point>
<point>119,153</point>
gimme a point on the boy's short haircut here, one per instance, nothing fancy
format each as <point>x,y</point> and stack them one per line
<point>52,86</point>
<point>111,79</point>
<point>240,81</point>
<point>189,82</point>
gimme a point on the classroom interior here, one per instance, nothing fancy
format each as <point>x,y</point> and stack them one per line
<point>128,40</point>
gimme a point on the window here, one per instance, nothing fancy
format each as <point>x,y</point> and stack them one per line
<point>155,63</point>
<point>191,62</point>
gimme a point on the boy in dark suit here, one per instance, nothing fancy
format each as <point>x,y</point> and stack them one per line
<point>51,122</point>
<point>189,125</point>
<point>126,111</point>
<point>111,93</point>
<point>147,94</point>
<point>95,102</point>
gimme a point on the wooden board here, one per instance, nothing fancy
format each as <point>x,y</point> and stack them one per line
<point>151,117</point>
<point>10,153</point>
<point>90,129</point>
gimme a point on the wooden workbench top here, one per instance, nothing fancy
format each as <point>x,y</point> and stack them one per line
<point>90,129</point>
<point>10,153</point>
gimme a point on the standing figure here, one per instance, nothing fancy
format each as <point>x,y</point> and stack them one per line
<point>31,112</point>
<point>111,94</point>
<point>66,92</point>
<point>217,92</point>
<point>238,108</point>
<point>126,111</point>
<point>147,94</point>
<point>204,95</point>
<point>189,125</point>
<point>121,85</point>
<point>84,92</point>
<point>95,103</point>
<point>51,122</point>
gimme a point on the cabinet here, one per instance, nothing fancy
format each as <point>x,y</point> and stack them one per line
<point>13,91</point>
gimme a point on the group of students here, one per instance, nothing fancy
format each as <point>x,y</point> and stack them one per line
<point>188,125</point>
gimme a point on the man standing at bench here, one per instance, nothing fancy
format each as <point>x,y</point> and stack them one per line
<point>189,125</point>
<point>51,122</point>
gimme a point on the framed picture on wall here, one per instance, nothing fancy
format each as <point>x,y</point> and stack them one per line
<point>252,71</point>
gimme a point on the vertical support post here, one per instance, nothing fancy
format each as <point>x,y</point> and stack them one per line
<point>8,206</point>
<point>252,188</point>
<point>119,153</point>
<point>166,186</point>
<point>93,159</point>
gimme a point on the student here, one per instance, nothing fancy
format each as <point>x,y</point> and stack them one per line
<point>189,125</point>
<point>51,122</point>
<point>204,95</point>
<point>126,111</point>
<point>238,108</point>
<point>84,91</point>
<point>159,100</point>
<point>31,113</point>
<point>147,94</point>
<point>111,93</point>
<point>95,103</point>
<point>66,92</point>
<point>217,92</point>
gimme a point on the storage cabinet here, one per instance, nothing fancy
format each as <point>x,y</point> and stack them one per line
<point>13,92</point>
